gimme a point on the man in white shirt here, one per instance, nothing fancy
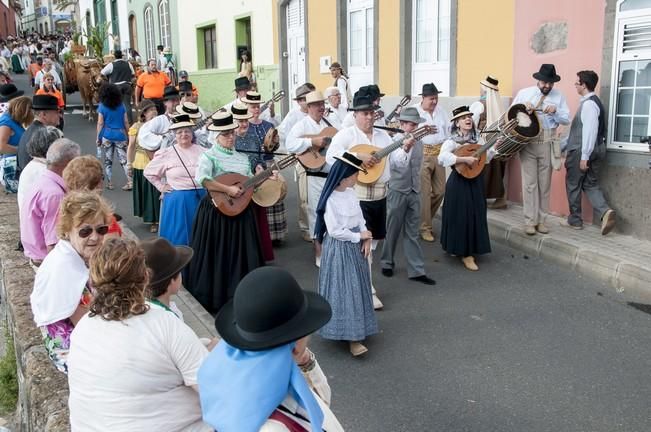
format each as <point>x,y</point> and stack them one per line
<point>377,95</point>
<point>551,108</point>
<point>586,149</point>
<point>47,68</point>
<point>432,175</point>
<point>312,124</point>
<point>155,134</point>
<point>335,110</point>
<point>295,115</point>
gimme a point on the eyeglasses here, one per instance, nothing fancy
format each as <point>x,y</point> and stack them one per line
<point>184,94</point>
<point>88,230</point>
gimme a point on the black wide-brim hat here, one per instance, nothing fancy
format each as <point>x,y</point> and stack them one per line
<point>163,259</point>
<point>547,73</point>
<point>9,92</point>
<point>170,93</point>
<point>429,89</point>
<point>45,103</point>
<point>270,309</point>
<point>242,83</point>
<point>363,100</point>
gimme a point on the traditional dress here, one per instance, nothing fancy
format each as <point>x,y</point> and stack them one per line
<point>464,229</point>
<point>16,63</point>
<point>226,248</point>
<point>146,198</point>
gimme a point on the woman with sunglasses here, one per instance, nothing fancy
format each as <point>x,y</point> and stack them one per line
<point>61,298</point>
<point>226,248</point>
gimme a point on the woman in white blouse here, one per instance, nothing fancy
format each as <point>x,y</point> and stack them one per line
<point>464,229</point>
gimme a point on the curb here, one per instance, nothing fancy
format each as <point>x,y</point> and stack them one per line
<point>623,275</point>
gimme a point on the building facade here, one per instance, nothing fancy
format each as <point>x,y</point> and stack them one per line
<point>9,16</point>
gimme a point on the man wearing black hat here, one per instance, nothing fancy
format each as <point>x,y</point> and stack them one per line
<point>376,96</point>
<point>551,108</point>
<point>432,186</point>
<point>155,134</point>
<point>243,85</point>
<point>46,113</point>
<point>121,73</point>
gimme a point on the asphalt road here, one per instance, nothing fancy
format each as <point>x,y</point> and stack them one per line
<point>521,345</point>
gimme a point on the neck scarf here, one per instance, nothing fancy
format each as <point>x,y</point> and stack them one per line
<point>240,389</point>
<point>339,171</point>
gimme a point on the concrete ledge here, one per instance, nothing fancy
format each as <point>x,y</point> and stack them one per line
<point>559,252</point>
<point>598,264</point>
<point>523,242</point>
<point>635,280</point>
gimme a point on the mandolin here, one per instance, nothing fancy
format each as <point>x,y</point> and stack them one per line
<point>375,172</point>
<point>231,206</point>
<point>478,151</point>
<point>315,159</point>
<point>276,97</point>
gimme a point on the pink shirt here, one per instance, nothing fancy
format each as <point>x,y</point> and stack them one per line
<point>38,215</point>
<point>167,165</point>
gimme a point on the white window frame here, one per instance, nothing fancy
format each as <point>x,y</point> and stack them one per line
<point>165,23</point>
<point>366,69</point>
<point>621,19</point>
<point>150,43</point>
<point>436,70</point>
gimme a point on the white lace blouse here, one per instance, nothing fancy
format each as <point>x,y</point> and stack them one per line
<point>343,216</point>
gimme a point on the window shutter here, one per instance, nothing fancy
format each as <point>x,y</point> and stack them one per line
<point>295,12</point>
<point>637,37</point>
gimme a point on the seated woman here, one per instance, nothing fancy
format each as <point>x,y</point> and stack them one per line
<point>464,229</point>
<point>61,298</point>
<point>132,367</point>
<point>256,378</point>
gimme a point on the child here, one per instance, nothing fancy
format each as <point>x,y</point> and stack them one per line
<point>344,278</point>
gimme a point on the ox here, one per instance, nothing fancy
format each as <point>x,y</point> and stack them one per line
<point>89,80</point>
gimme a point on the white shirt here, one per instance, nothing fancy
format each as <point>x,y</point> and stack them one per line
<point>343,214</point>
<point>590,120</point>
<point>439,118</point>
<point>555,98</point>
<point>28,176</point>
<point>151,134</point>
<point>349,137</point>
<point>135,375</point>
<point>349,120</point>
<point>108,69</point>
<point>306,126</point>
<point>337,115</point>
<point>293,116</point>
<point>477,109</point>
<point>447,158</point>
<point>39,77</point>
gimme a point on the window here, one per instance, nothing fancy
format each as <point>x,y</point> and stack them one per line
<point>432,31</point>
<point>361,37</point>
<point>165,25</point>
<point>209,47</point>
<point>630,110</point>
<point>149,33</point>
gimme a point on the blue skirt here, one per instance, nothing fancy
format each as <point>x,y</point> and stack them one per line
<point>345,281</point>
<point>177,215</point>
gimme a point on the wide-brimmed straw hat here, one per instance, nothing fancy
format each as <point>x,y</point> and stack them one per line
<point>270,309</point>
<point>240,111</point>
<point>252,97</point>
<point>181,121</point>
<point>410,114</point>
<point>461,111</point>
<point>314,97</point>
<point>164,259</point>
<point>490,82</point>
<point>222,121</point>
<point>302,90</point>
<point>190,109</point>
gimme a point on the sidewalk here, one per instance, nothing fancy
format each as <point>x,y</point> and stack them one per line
<point>623,261</point>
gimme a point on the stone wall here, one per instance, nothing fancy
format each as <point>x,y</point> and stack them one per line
<point>43,391</point>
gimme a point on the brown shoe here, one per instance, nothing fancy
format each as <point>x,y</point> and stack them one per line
<point>357,349</point>
<point>608,222</point>
<point>530,229</point>
<point>566,224</point>
<point>469,263</point>
<point>498,204</point>
<point>542,229</point>
<point>427,236</point>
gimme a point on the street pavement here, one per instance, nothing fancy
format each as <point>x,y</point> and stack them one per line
<point>521,345</point>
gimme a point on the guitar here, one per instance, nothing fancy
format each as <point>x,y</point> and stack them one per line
<point>277,97</point>
<point>479,151</point>
<point>231,206</point>
<point>375,172</point>
<point>315,159</point>
<point>403,103</point>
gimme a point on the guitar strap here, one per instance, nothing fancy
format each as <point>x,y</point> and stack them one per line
<point>326,121</point>
<point>196,189</point>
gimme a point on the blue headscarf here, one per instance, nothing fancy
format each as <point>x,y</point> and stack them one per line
<point>240,389</point>
<point>339,171</point>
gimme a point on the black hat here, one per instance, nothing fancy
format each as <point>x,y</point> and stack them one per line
<point>170,93</point>
<point>374,90</point>
<point>461,111</point>
<point>8,92</point>
<point>164,259</point>
<point>363,101</point>
<point>270,309</point>
<point>547,73</point>
<point>429,90</point>
<point>242,83</point>
<point>185,87</point>
<point>352,160</point>
<point>45,103</point>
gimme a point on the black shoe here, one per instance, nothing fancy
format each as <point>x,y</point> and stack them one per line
<point>387,272</point>
<point>423,279</point>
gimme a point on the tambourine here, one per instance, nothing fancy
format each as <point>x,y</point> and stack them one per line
<point>271,141</point>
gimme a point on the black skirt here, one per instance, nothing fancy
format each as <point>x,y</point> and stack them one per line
<point>464,229</point>
<point>375,215</point>
<point>225,250</point>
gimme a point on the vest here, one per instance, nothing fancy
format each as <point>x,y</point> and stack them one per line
<point>121,72</point>
<point>575,139</point>
<point>407,179</point>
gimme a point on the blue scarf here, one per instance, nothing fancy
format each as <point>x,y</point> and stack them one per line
<point>339,171</point>
<point>240,389</point>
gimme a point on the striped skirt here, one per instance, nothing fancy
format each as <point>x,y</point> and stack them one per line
<point>177,214</point>
<point>277,219</point>
<point>344,281</point>
<point>146,198</point>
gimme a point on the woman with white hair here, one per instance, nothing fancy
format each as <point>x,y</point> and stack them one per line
<point>336,111</point>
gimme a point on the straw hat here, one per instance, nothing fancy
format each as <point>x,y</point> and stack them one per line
<point>252,97</point>
<point>240,111</point>
<point>180,121</point>
<point>314,97</point>
<point>190,109</point>
<point>459,112</point>
<point>222,121</point>
<point>490,82</point>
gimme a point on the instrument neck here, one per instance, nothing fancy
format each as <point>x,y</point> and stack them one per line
<point>391,147</point>
<point>265,174</point>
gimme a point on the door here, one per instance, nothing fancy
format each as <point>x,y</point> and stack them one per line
<point>431,47</point>
<point>295,44</point>
<point>133,32</point>
<point>360,43</point>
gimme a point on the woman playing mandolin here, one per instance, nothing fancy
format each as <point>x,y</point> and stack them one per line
<point>464,229</point>
<point>226,247</point>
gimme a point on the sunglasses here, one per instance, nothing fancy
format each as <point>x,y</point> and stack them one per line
<point>184,94</point>
<point>88,230</point>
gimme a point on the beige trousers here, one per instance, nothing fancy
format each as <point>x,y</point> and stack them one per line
<point>301,179</point>
<point>536,166</point>
<point>432,189</point>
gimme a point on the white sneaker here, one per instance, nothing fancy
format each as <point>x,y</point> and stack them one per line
<point>317,261</point>
<point>377,304</point>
